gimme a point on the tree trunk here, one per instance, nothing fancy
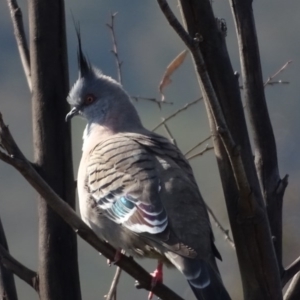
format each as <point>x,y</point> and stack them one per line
<point>58,267</point>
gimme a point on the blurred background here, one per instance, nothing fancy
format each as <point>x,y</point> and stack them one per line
<point>146,45</point>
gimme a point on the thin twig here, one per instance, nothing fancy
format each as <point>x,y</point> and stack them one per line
<point>206,149</point>
<point>278,82</point>
<point>113,288</point>
<point>115,51</point>
<point>197,145</point>
<point>19,269</point>
<point>17,19</point>
<point>158,102</point>
<point>169,133</point>
<point>17,159</point>
<point>291,271</point>
<point>269,80</point>
<point>185,107</point>
<point>220,226</point>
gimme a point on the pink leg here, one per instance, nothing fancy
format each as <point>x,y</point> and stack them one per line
<point>117,257</point>
<point>157,277</point>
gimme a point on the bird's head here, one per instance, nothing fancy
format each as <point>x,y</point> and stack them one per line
<point>98,98</point>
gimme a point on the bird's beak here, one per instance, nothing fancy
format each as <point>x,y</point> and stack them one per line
<point>73,112</point>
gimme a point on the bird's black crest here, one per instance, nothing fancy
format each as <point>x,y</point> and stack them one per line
<point>83,64</point>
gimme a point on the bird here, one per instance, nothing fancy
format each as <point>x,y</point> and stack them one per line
<point>136,189</point>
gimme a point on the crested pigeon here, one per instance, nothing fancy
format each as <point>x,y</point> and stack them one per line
<point>136,189</point>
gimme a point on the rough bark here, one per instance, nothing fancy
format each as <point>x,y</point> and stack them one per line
<point>58,267</point>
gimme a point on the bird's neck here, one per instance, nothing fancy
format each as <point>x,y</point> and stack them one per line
<point>116,122</point>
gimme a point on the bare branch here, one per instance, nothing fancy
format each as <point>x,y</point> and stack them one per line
<point>7,283</point>
<point>113,289</point>
<point>185,107</point>
<point>158,102</point>
<point>291,271</point>
<point>206,149</point>
<point>266,161</point>
<point>293,291</point>
<point>186,38</point>
<point>17,19</point>
<point>19,161</point>
<point>169,133</point>
<point>197,145</point>
<point>220,226</point>
<point>115,51</point>
<point>18,269</point>
<point>278,82</point>
<point>270,79</point>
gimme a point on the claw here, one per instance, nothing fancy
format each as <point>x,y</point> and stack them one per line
<point>117,257</point>
<point>157,277</point>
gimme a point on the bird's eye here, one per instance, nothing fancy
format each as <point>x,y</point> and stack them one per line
<point>89,99</point>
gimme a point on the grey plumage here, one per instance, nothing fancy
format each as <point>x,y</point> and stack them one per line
<point>136,189</point>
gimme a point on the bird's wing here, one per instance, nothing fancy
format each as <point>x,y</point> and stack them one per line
<point>180,195</point>
<point>144,183</point>
<point>124,185</point>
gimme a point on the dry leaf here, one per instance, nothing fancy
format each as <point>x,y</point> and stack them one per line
<point>175,64</point>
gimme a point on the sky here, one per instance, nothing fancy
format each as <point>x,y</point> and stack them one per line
<point>146,46</point>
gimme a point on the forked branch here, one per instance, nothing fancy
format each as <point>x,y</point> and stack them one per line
<point>10,263</point>
<point>291,271</point>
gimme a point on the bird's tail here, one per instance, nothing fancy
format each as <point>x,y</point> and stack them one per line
<point>205,282</point>
<point>214,290</point>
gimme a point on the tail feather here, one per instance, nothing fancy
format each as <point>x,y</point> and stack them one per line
<point>205,282</point>
<point>215,290</point>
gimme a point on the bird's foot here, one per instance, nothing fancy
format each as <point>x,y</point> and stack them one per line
<point>117,257</point>
<point>157,276</point>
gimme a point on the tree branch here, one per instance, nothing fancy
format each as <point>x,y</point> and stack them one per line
<point>264,140</point>
<point>7,283</point>
<point>115,51</point>
<point>19,162</point>
<point>17,19</point>
<point>168,131</point>
<point>291,271</point>
<point>197,145</point>
<point>270,81</point>
<point>10,263</point>
<point>206,149</point>
<point>293,291</point>
<point>154,100</point>
<point>185,107</point>
<point>220,226</point>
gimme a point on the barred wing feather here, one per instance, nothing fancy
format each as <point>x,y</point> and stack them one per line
<point>122,181</point>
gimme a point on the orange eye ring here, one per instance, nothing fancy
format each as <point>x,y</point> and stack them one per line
<point>89,99</point>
